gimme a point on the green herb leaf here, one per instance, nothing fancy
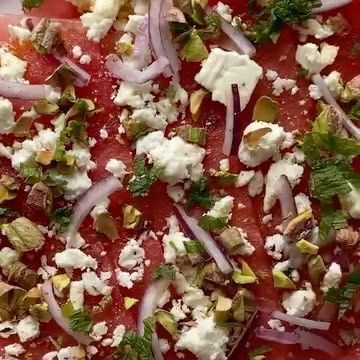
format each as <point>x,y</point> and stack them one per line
<point>31,171</point>
<point>199,194</point>
<point>30,4</point>
<point>164,272</point>
<point>144,178</point>
<point>330,219</point>
<point>61,218</point>
<point>5,211</point>
<point>279,13</point>
<point>194,135</point>
<point>194,247</point>
<point>344,295</point>
<point>355,112</point>
<point>261,350</point>
<point>81,322</point>
<point>211,223</point>
<point>355,50</point>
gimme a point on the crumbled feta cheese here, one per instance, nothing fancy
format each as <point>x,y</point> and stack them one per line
<point>176,192</point>
<point>76,294</point>
<point>19,32</point>
<point>99,330</point>
<point>134,95</point>
<point>28,329</point>
<point>7,328</point>
<point>275,245</point>
<point>282,167</point>
<point>94,285</point>
<point>179,159</point>
<point>334,84</point>
<point>350,202</point>
<point>99,21</point>
<point>224,68</point>
<point>118,335</point>
<point>179,310</point>
<point>116,167</point>
<point>244,178</point>
<point>256,184</point>
<point>247,249</point>
<point>7,121</point>
<point>85,59</point>
<point>164,346</point>
<point>164,299</point>
<point>11,67</point>
<point>276,324</point>
<point>77,52</point>
<point>149,117</point>
<point>222,208</point>
<point>205,340</point>
<point>314,60</point>
<point>14,350</point>
<point>299,302</point>
<point>68,353</point>
<point>75,259</point>
<point>280,85</point>
<point>271,75</point>
<point>332,278</point>
<point>8,256</point>
<point>268,145</point>
<point>302,202</point>
<point>312,27</point>
<point>100,208</point>
<point>224,11</point>
<point>131,255</point>
<point>224,165</point>
<point>173,244</point>
<point>103,134</point>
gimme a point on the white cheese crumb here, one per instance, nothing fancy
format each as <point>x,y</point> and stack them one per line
<point>28,329</point>
<point>299,302</point>
<point>332,278</point>
<point>256,184</point>
<point>77,51</point>
<point>117,168</point>
<point>76,294</point>
<point>7,120</point>
<point>75,259</point>
<point>85,59</point>
<point>164,346</point>
<point>14,350</point>
<point>103,134</point>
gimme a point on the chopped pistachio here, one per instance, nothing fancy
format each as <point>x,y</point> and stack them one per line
<point>8,187</point>
<point>238,306</point>
<point>316,268</point>
<point>246,269</point>
<point>41,198</point>
<point>10,299</point>
<point>135,129</point>
<point>105,224</point>
<point>45,36</point>
<point>19,274</point>
<point>328,120</point>
<point>196,99</point>
<point>80,109</point>
<point>61,283</point>
<point>266,109</point>
<point>24,235</point>
<point>307,247</point>
<point>32,297</point>
<point>45,157</point>
<point>41,312</point>
<point>44,107</point>
<point>222,309</point>
<point>281,280</point>
<point>252,138</point>
<point>167,321</point>
<point>23,125</point>
<point>129,302</point>
<point>212,273</point>
<point>194,135</point>
<point>300,226</point>
<point>132,217</point>
<point>225,178</point>
<point>352,90</point>
<point>231,240</point>
<point>239,278</point>
<point>124,48</point>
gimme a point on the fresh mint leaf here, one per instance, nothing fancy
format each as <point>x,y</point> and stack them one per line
<point>5,211</point>
<point>80,321</point>
<point>355,112</point>
<point>211,223</point>
<point>261,350</point>
<point>330,220</point>
<point>194,247</point>
<point>30,4</point>
<point>31,171</point>
<point>164,272</point>
<point>199,194</point>
<point>279,13</point>
<point>61,217</point>
<point>144,177</point>
<point>344,295</point>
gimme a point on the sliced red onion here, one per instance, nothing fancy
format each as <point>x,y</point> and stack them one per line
<point>286,199</point>
<point>142,38</point>
<point>93,196</point>
<point>310,324</point>
<point>233,121</point>
<point>349,125</point>
<point>82,77</point>
<point>148,306</point>
<point>18,90</point>
<point>328,5</point>
<point>328,311</point>
<point>245,333</point>
<point>194,231</point>
<point>58,317</point>
<point>281,337</point>
<point>242,43</point>
<point>309,340</point>
<point>11,7</point>
<point>160,36</point>
<point>122,71</point>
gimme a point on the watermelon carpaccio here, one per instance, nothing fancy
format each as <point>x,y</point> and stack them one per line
<point>156,146</point>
